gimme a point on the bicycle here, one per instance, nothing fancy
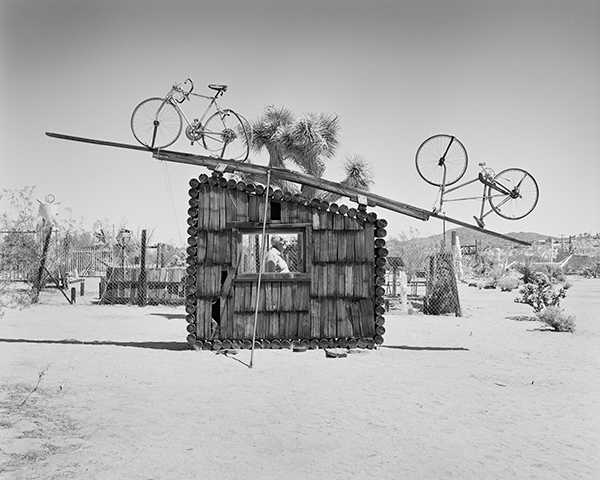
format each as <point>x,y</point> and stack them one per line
<point>442,161</point>
<point>157,123</point>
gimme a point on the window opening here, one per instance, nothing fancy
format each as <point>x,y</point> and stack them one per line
<point>292,254</point>
<point>275,210</point>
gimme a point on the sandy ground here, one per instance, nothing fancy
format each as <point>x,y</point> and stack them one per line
<point>113,392</point>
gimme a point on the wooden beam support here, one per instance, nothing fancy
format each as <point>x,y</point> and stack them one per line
<point>231,166</point>
<point>478,229</point>
<point>353,194</point>
<point>97,142</point>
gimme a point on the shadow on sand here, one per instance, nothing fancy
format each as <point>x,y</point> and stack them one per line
<point>434,349</point>
<point>170,316</point>
<point>175,346</point>
<point>523,318</point>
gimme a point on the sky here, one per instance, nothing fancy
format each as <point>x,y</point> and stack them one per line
<point>516,81</point>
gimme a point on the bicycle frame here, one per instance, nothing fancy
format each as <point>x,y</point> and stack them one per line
<point>197,124</point>
<point>486,177</point>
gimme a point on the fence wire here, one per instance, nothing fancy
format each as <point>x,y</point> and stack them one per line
<point>140,268</point>
<point>128,268</point>
<point>422,277</point>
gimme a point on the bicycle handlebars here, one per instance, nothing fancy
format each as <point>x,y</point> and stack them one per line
<point>189,80</point>
<point>185,95</point>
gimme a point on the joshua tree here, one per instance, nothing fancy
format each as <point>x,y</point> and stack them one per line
<point>305,143</point>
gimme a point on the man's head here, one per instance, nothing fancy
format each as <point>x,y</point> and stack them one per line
<point>278,242</point>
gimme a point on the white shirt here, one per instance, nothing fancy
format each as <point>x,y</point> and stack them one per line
<point>274,262</point>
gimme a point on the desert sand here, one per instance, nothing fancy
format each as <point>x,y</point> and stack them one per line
<point>114,392</point>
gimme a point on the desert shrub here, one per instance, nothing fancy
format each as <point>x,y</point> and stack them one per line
<point>527,272</point>
<point>508,283</point>
<point>557,319</point>
<point>14,295</point>
<point>592,271</point>
<point>542,293</point>
<point>553,272</point>
<point>486,283</point>
<point>496,273</point>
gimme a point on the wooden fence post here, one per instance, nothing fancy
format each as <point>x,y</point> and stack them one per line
<point>38,279</point>
<point>143,280</point>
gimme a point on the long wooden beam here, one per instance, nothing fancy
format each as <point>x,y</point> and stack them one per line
<point>352,193</point>
<point>97,142</point>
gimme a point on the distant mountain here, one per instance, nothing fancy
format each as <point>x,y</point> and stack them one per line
<point>469,236</point>
<point>584,244</point>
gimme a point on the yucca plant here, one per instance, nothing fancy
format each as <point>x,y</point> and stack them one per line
<point>358,174</point>
<point>527,271</point>
<point>305,143</point>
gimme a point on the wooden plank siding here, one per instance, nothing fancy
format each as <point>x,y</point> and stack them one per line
<point>333,295</point>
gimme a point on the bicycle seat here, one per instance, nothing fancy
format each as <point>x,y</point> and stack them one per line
<point>218,88</point>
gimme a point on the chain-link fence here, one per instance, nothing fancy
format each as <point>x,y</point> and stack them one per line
<point>422,277</point>
<point>137,268</point>
<point>423,274</point>
<point>122,268</point>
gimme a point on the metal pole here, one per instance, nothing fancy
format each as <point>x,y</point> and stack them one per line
<point>260,268</point>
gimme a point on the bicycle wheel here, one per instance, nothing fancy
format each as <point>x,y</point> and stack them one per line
<point>518,194</point>
<point>441,156</point>
<point>156,123</point>
<point>227,135</point>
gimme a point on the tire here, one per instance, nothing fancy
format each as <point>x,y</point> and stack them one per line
<point>156,123</point>
<point>519,194</point>
<point>227,135</point>
<point>438,152</point>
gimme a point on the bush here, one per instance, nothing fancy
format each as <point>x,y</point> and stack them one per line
<point>591,271</point>
<point>527,271</point>
<point>557,319</point>
<point>542,293</point>
<point>554,273</point>
<point>486,283</point>
<point>508,283</point>
<point>14,295</point>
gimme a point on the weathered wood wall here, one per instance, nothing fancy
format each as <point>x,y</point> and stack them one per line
<point>337,300</point>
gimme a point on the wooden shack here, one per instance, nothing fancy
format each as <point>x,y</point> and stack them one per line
<point>333,294</point>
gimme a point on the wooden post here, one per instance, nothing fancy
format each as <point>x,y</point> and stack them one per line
<point>403,292</point>
<point>143,280</point>
<point>38,279</point>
